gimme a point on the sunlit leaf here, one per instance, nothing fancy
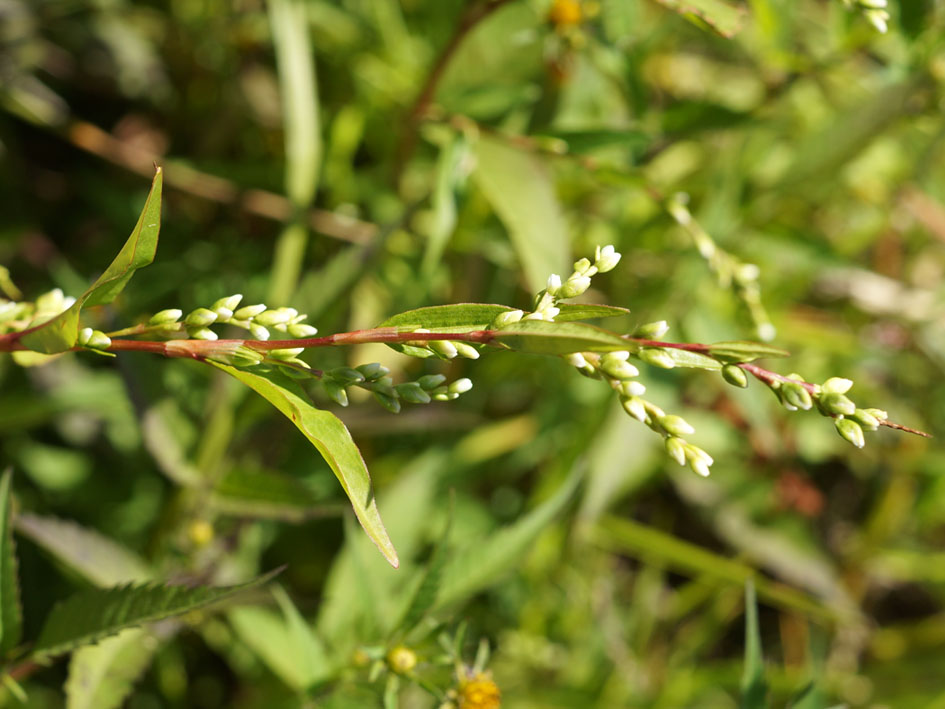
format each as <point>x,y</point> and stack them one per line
<point>61,332</point>
<point>101,676</point>
<point>541,337</point>
<point>723,17</point>
<point>328,434</point>
<point>744,351</point>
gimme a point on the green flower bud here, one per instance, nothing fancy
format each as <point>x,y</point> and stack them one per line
<point>302,330</point>
<point>631,387</point>
<point>401,659</point>
<point>574,286</point>
<point>506,318</point>
<point>836,405</point>
<point>615,365</point>
<point>346,376</point>
<point>582,266</point>
<point>248,312</point>
<point>430,382</point>
<point>201,317</point>
<point>96,339</point>
<point>201,333</point>
<point>735,375</point>
<point>676,447</point>
<point>877,413</point>
<point>652,330</point>
<point>865,419</point>
<point>336,391</point>
<point>635,407</point>
<point>384,385</point>
<point>656,356</point>
<point>836,385</point>
<point>373,371</point>
<point>851,431</point>
<point>444,348</point>
<point>466,350</point>
<point>794,394</point>
<point>676,425</point>
<point>258,332</point>
<point>460,386</point>
<point>444,395</point>
<point>412,393</point>
<point>606,258</point>
<point>166,317</point>
<point>391,403</point>
<point>278,316</point>
<point>699,466</point>
<point>224,306</point>
<point>576,359</point>
<point>694,452</point>
<point>286,354</point>
<point>246,357</point>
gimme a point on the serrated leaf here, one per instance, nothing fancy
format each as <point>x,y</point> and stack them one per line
<point>744,351</point>
<point>580,311</point>
<point>264,495</point>
<point>753,677</point>
<point>96,557</point>
<point>11,614</point>
<point>481,564</point>
<point>61,332</point>
<point>330,436</point>
<point>101,676</point>
<point>554,338</point>
<point>520,189</point>
<point>723,17</point>
<point>93,614</point>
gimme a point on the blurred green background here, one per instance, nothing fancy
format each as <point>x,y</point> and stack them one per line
<point>360,157</point>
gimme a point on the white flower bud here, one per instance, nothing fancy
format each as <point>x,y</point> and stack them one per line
<point>574,286</point>
<point>258,332</point>
<point>166,317</point>
<point>444,348</point>
<point>554,283</point>
<point>201,317</point>
<point>302,330</point>
<point>201,333</point>
<point>507,318</point>
<point>606,259</point>
<point>460,386</point>
<point>676,448</point>
<point>466,350</point>
<point>837,385</point>
<point>676,425</point>
<point>248,312</point>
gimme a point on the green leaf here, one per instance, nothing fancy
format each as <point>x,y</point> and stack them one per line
<point>11,614</point>
<point>305,648</point>
<point>542,337</point>
<point>264,495</point>
<point>723,17</point>
<point>584,141</point>
<point>450,176</point>
<point>520,189</point>
<point>580,311</point>
<point>94,556</point>
<point>328,434</point>
<point>93,614</point>
<point>61,333</point>
<point>101,676</point>
<point>694,360</point>
<point>743,351</point>
<point>459,317</point>
<point>486,560</point>
<point>753,677</point>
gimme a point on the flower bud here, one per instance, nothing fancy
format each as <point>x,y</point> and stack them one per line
<point>248,312</point>
<point>581,266</point>
<point>336,391</point>
<point>224,306</point>
<point>576,359</point>
<point>574,286</point>
<point>506,318</point>
<point>837,405</point>
<point>735,375</point>
<point>676,425</point>
<point>258,332</point>
<point>166,317</point>
<point>619,370</point>
<point>635,407</point>
<point>794,394</point>
<point>96,340</point>
<point>412,393</point>
<point>346,375</point>
<point>201,317</point>
<point>201,333</point>
<point>554,283</point>
<point>302,330</point>
<point>286,354</point>
<point>444,348</point>
<point>657,357</point>
<point>278,316</point>
<point>699,466</point>
<point>877,413</point>
<point>631,387</point>
<point>865,419</point>
<point>851,431</point>
<point>652,330</point>
<point>401,659</point>
<point>390,403</point>
<point>836,385</point>
<point>466,350</point>
<point>676,448</point>
<point>373,371</point>
<point>430,382</point>
<point>606,258</point>
<point>460,386</point>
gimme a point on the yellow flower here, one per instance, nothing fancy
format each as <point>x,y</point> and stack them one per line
<point>479,692</point>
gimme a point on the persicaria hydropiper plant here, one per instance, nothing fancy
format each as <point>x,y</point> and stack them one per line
<point>272,365</point>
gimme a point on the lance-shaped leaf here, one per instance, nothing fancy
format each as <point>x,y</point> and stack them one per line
<point>330,436</point>
<point>11,616</point>
<point>693,360</point>
<point>459,317</point>
<point>93,614</point>
<point>583,311</point>
<point>61,332</point>
<point>753,677</point>
<point>101,676</point>
<point>743,351</point>
<point>723,17</point>
<point>554,338</point>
